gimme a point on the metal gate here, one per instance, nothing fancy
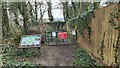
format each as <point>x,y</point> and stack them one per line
<point>59,38</point>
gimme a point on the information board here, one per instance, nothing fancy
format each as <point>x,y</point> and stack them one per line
<point>30,41</point>
<point>62,35</point>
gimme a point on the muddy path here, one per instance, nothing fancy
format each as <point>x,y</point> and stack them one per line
<point>56,55</point>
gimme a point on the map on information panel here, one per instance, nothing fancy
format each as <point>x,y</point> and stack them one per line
<point>30,41</point>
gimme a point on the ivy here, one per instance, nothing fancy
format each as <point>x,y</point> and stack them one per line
<point>82,21</point>
<point>89,31</point>
<point>15,64</point>
<point>101,47</point>
<point>114,15</point>
<point>82,58</point>
<point>9,53</point>
<point>69,36</point>
<point>116,50</point>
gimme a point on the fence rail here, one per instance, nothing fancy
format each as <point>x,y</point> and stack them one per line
<point>59,38</point>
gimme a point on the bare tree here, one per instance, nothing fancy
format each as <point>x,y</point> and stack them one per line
<point>36,14</point>
<point>25,17</point>
<point>0,23</point>
<point>13,7</point>
<point>31,14</point>
<point>5,21</point>
<point>43,9</point>
<point>96,5</point>
<point>50,11</point>
<point>1,63</point>
<point>65,10</point>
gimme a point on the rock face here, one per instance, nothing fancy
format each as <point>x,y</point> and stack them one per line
<point>104,35</point>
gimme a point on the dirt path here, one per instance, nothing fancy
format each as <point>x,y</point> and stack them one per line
<point>56,55</point>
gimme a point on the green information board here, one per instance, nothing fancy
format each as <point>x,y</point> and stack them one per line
<point>30,41</point>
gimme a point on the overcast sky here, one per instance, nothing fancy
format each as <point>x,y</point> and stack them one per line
<point>58,13</point>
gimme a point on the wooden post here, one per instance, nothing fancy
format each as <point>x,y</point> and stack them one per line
<point>67,26</point>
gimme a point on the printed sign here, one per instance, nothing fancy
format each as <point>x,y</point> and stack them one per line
<point>54,34</point>
<point>62,35</point>
<point>30,41</point>
<point>73,33</point>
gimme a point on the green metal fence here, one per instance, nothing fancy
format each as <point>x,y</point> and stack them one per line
<point>51,38</point>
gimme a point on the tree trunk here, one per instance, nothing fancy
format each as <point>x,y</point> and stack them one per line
<point>36,14</point>
<point>14,8</point>
<point>1,63</point>
<point>85,6</point>
<point>66,13</point>
<point>31,15</point>
<point>65,10</point>
<point>0,23</point>
<point>25,17</point>
<point>42,11</point>
<point>16,18</point>
<point>41,17</point>
<point>96,5</point>
<point>5,21</point>
<point>50,11</point>
<point>41,14</point>
<point>76,8</point>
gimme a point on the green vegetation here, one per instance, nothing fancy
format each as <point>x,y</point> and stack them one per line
<point>82,58</point>
<point>18,17</point>
<point>70,37</point>
<point>114,15</point>
<point>15,64</point>
<point>112,21</point>
<point>102,46</point>
<point>116,50</point>
<point>82,22</point>
<point>10,53</point>
<point>58,24</point>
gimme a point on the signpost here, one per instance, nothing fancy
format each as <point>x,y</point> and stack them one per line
<point>73,33</point>
<point>54,34</point>
<point>30,41</point>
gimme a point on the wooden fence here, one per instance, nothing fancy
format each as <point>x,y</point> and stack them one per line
<point>103,42</point>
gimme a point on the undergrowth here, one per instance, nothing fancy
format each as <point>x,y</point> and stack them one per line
<point>82,58</point>
<point>82,21</point>
<point>12,52</point>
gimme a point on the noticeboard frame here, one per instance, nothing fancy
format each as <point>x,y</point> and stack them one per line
<point>20,46</point>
